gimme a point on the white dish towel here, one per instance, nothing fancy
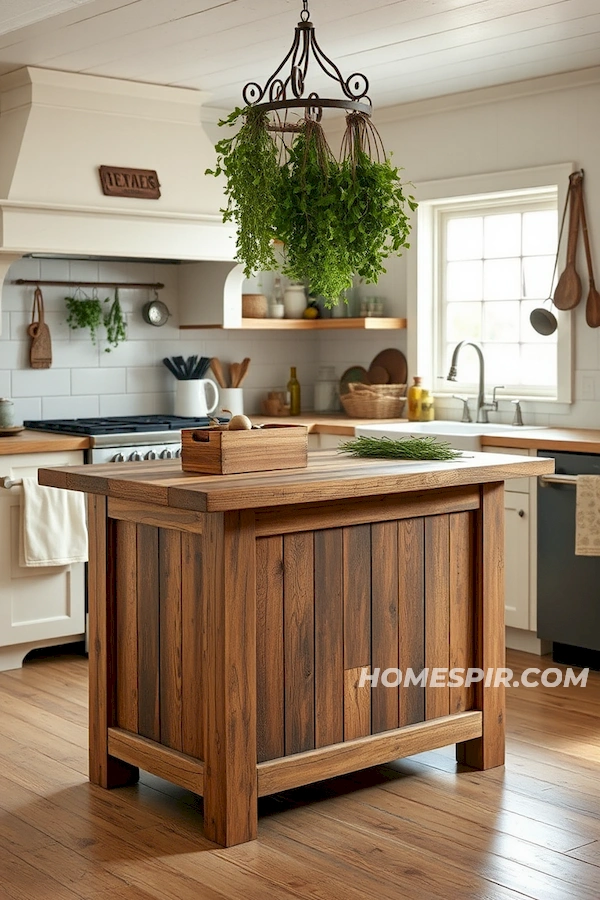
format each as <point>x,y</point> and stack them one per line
<point>53,526</point>
<point>587,516</point>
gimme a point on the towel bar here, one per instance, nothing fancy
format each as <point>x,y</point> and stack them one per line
<point>557,479</point>
<point>8,483</point>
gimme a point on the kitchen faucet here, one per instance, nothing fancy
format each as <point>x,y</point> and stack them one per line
<point>482,407</point>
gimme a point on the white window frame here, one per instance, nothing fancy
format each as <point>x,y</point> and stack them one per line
<point>423,275</point>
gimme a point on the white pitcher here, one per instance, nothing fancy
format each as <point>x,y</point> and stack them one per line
<point>191,398</point>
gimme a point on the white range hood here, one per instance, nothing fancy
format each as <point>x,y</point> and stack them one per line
<point>58,128</point>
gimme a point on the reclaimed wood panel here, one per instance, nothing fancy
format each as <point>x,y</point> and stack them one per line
<point>148,632</point>
<point>192,664</point>
<point>357,704</point>
<point>411,617</point>
<point>488,751</point>
<point>229,585</point>
<point>384,623</point>
<point>329,637</point>
<point>299,642</point>
<point>127,624</point>
<point>170,645</point>
<point>161,761</point>
<point>105,770</point>
<point>437,610</point>
<point>462,603</point>
<point>357,596</point>
<point>270,723</point>
<point>147,514</point>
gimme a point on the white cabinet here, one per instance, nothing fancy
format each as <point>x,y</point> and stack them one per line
<point>516,555</point>
<point>39,607</point>
<point>321,441</point>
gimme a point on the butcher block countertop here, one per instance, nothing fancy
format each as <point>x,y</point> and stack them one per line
<point>323,423</point>
<point>41,442</point>
<point>328,476</point>
<point>570,440</point>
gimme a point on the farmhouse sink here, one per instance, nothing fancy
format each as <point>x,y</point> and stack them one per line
<point>461,435</point>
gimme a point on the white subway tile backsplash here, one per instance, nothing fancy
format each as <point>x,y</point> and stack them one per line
<point>128,404</point>
<point>5,322</point>
<point>4,383</point>
<point>98,381</point>
<point>70,407</point>
<point>27,408</point>
<point>41,383</point>
<point>145,379</point>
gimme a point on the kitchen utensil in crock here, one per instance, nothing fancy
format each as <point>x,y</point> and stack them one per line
<point>217,368</point>
<point>244,366</point>
<point>40,352</point>
<point>568,290</point>
<point>592,306</point>
<point>543,320</point>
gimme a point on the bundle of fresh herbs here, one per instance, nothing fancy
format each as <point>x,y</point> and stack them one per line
<point>89,312</point>
<point>336,218</point>
<point>409,448</point>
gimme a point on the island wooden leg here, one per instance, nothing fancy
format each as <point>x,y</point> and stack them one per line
<point>229,594</point>
<point>488,751</point>
<point>105,770</point>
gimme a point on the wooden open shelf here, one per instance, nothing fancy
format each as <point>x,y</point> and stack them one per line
<point>363,324</point>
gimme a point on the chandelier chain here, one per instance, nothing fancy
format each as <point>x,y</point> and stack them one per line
<point>305,14</point>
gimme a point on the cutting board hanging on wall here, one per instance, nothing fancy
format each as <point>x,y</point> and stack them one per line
<point>40,352</point>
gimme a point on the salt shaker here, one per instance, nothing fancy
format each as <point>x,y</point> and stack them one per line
<point>7,412</point>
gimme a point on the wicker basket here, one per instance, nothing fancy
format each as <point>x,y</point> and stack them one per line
<point>254,306</point>
<point>374,401</point>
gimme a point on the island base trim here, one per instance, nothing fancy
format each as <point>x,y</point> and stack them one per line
<point>173,766</point>
<point>339,759</point>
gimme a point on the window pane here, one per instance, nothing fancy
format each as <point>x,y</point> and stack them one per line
<point>501,321</point>
<point>528,334</point>
<point>464,238</point>
<point>502,364</point>
<point>463,322</point>
<point>464,281</point>
<point>502,279</point>
<point>502,235</point>
<point>538,364</point>
<point>468,366</point>
<point>537,277</point>
<point>540,232</point>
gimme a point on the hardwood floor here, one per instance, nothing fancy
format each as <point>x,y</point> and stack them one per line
<point>420,829</point>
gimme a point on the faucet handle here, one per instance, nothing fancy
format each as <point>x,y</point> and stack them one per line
<point>498,387</point>
<point>518,418</point>
<point>466,414</point>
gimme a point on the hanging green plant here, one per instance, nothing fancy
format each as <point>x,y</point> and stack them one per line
<point>84,312</point>
<point>114,322</point>
<point>250,162</point>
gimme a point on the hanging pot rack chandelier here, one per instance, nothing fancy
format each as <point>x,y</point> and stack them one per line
<point>285,88</point>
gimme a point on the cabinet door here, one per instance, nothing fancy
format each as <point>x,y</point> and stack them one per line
<point>36,604</point>
<point>516,559</point>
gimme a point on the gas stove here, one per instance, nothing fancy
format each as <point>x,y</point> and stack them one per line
<point>125,438</point>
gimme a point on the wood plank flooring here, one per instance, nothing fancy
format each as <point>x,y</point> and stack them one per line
<point>419,829</point>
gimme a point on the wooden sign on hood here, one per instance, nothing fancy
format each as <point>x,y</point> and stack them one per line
<point>121,182</point>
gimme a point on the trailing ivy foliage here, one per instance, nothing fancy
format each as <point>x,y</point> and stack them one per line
<point>249,161</point>
<point>336,219</point>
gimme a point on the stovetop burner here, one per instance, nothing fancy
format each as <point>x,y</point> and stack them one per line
<point>118,425</point>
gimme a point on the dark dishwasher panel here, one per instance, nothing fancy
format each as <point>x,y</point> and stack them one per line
<point>568,586</point>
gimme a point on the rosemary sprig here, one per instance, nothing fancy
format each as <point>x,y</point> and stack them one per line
<point>410,448</point>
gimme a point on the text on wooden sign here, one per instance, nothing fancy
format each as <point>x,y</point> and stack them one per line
<point>122,182</point>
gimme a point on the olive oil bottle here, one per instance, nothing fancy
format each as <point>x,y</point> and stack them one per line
<point>293,388</point>
<point>415,392</point>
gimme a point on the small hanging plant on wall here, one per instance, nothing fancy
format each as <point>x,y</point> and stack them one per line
<point>90,313</point>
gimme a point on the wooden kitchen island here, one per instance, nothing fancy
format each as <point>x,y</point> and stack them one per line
<point>231,618</point>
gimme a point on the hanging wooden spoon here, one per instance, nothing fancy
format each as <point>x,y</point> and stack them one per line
<point>592,306</point>
<point>568,290</point>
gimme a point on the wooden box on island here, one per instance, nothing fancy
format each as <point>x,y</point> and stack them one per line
<point>223,452</point>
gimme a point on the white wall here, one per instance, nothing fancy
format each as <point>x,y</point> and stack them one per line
<point>86,381</point>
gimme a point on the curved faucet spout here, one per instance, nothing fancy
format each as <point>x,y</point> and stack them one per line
<point>482,415</point>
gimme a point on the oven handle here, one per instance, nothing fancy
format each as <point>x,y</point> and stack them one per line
<point>545,480</point>
<point>9,483</point>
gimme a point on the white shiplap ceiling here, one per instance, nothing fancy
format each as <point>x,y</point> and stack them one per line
<point>409,49</point>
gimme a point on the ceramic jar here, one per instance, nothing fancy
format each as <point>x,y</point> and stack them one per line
<point>294,300</point>
<point>7,413</point>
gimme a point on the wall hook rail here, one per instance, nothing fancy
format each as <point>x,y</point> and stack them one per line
<point>147,285</point>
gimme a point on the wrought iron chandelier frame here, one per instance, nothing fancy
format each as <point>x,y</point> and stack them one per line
<point>279,86</point>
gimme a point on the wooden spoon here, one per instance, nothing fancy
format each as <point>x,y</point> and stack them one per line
<point>217,369</point>
<point>234,374</point>
<point>592,307</point>
<point>244,365</point>
<point>568,290</point>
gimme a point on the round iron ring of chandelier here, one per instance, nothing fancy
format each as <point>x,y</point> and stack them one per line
<point>285,88</point>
